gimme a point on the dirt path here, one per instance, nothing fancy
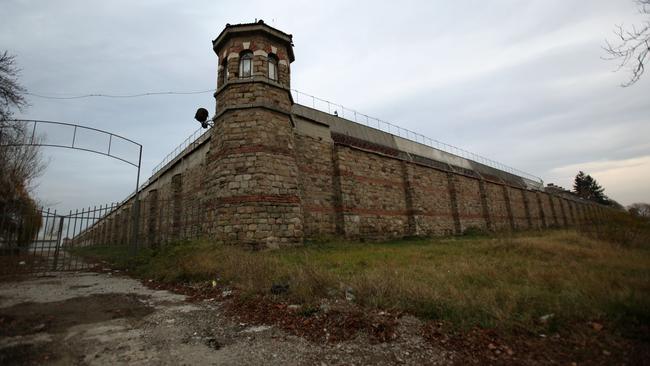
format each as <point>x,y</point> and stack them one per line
<point>106,319</point>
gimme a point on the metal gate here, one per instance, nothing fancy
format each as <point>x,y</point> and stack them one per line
<point>14,238</point>
<point>38,240</point>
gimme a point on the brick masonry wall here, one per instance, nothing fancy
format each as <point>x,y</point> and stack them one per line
<point>468,200</point>
<point>519,213</point>
<point>261,180</point>
<point>498,207</point>
<point>567,212</point>
<point>559,211</point>
<point>373,195</point>
<point>534,210</point>
<point>296,183</point>
<point>431,201</point>
<point>547,210</point>
<point>342,190</point>
<point>373,200</point>
<point>316,179</point>
<point>192,214</point>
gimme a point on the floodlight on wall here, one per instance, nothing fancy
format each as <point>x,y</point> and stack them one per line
<point>202,115</point>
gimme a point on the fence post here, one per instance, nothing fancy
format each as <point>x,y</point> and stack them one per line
<point>136,208</point>
<point>58,242</point>
<point>135,225</point>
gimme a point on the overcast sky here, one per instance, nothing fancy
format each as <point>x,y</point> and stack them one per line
<point>521,82</point>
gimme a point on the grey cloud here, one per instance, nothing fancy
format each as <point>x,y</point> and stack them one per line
<point>520,82</point>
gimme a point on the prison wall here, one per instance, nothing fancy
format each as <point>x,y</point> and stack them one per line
<point>353,181</point>
<point>272,172</point>
<point>170,205</point>
<point>362,183</point>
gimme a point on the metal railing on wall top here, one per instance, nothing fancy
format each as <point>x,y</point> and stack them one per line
<point>189,141</point>
<point>364,119</point>
<point>393,129</point>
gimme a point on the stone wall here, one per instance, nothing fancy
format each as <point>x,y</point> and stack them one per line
<point>346,187</point>
<point>317,186</point>
<point>431,201</point>
<point>272,172</point>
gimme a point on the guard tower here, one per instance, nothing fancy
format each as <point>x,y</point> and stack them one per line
<point>252,187</point>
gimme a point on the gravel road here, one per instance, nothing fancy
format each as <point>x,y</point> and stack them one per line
<point>108,319</point>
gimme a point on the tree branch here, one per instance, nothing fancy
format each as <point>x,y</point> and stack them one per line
<point>632,47</point>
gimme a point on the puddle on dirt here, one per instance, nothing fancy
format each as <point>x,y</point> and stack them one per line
<point>53,317</point>
<point>25,354</point>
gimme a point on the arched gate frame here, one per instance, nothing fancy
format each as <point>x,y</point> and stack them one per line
<point>75,134</point>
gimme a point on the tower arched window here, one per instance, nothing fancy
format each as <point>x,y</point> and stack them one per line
<point>224,71</point>
<point>273,67</point>
<point>245,64</point>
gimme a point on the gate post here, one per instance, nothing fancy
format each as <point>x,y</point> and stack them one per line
<point>136,208</point>
<point>135,226</point>
<point>58,242</point>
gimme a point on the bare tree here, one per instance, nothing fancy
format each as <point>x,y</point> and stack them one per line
<point>20,163</point>
<point>11,92</point>
<point>632,45</point>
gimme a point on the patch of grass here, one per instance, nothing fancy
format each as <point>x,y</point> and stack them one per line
<point>496,282</point>
<point>119,256</point>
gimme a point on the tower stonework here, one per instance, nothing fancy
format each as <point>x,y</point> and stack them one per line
<point>252,179</point>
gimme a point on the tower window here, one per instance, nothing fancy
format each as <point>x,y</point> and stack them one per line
<point>224,71</point>
<point>273,67</point>
<point>245,64</point>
